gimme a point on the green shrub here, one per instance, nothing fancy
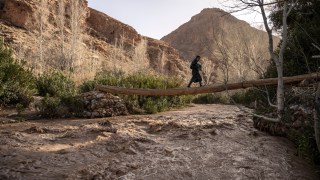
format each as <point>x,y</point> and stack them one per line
<point>210,99</point>
<point>20,108</point>
<point>306,144</point>
<point>53,107</point>
<point>55,84</point>
<point>87,86</point>
<point>50,107</point>
<point>113,78</point>
<point>251,95</point>
<point>139,104</point>
<point>61,98</point>
<point>74,104</point>
<point>17,84</point>
<point>150,106</point>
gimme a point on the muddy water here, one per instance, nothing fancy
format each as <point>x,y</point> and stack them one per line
<point>200,142</point>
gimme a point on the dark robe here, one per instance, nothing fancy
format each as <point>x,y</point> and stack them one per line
<point>196,67</point>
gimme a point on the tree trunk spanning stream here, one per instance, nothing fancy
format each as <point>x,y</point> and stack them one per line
<point>204,89</point>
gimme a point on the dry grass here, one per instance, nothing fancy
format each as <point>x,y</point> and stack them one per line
<point>140,56</point>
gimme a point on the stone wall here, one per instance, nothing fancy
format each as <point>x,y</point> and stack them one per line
<point>98,104</point>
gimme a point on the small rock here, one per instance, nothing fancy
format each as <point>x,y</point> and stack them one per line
<point>95,114</point>
<point>12,115</point>
<point>213,132</point>
<point>297,124</point>
<point>62,151</point>
<point>253,133</point>
<point>100,95</point>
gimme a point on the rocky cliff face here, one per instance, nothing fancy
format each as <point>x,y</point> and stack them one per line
<point>231,49</point>
<point>68,35</point>
<point>16,12</point>
<point>162,57</point>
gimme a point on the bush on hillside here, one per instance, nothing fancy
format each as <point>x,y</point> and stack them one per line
<point>17,85</point>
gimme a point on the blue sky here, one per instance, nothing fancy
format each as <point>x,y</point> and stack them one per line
<point>157,18</point>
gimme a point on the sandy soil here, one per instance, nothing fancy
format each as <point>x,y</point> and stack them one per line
<point>200,142</point>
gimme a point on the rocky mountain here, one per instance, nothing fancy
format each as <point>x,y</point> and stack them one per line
<point>70,36</point>
<point>232,50</point>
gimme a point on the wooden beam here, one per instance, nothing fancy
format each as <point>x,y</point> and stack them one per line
<point>204,89</point>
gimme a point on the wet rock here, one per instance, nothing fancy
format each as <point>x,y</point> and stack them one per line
<point>34,105</point>
<point>108,127</point>
<point>86,114</point>
<point>213,132</point>
<point>297,124</point>
<point>13,115</point>
<point>63,151</point>
<point>253,133</point>
<point>7,120</point>
<point>36,129</point>
<point>106,123</point>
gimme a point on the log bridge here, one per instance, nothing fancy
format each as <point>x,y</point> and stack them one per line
<point>205,89</point>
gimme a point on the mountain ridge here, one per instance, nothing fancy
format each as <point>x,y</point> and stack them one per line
<point>217,36</point>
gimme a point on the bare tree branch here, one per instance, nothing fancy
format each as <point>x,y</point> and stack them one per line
<point>314,45</point>
<point>268,97</point>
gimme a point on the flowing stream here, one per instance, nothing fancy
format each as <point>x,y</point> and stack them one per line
<point>199,142</point>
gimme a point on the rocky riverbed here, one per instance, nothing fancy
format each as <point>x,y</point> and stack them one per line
<point>199,142</point>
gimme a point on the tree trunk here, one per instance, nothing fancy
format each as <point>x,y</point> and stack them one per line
<point>61,23</point>
<point>279,61</point>
<point>204,89</point>
<point>317,117</point>
<point>42,19</point>
<point>280,95</point>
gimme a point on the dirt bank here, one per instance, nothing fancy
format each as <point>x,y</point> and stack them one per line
<point>200,142</point>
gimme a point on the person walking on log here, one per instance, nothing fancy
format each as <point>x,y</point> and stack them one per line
<point>196,67</point>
